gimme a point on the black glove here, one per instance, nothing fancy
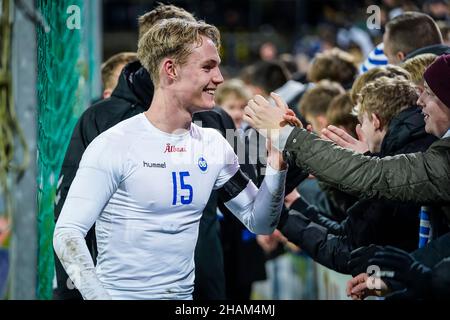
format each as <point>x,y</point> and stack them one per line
<point>402,294</point>
<point>313,214</point>
<point>294,176</point>
<point>294,226</point>
<point>414,275</point>
<point>441,279</point>
<point>359,259</point>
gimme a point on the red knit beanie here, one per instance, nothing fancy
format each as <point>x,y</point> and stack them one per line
<point>437,76</point>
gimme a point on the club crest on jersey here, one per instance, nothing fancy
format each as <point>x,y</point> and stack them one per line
<point>202,164</point>
<point>171,148</point>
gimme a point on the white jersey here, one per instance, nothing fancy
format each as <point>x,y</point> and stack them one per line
<point>145,190</point>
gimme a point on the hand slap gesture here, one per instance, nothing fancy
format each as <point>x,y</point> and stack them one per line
<point>262,116</point>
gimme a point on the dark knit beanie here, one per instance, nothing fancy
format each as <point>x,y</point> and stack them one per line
<point>437,76</point>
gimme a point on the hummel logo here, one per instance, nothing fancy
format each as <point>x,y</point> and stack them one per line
<point>169,148</point>
<point>154,165</point>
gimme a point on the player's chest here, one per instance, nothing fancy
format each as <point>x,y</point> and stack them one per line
<point>172,175</point>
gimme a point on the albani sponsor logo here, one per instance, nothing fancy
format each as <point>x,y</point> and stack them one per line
<point>170,148</point>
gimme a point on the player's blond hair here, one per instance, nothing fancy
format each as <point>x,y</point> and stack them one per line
<point>173,38</point>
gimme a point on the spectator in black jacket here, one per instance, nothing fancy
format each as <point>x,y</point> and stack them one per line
<point>244,259</point>
<point>111,70</point>
<point>411,34</point>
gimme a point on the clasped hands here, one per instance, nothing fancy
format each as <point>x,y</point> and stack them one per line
<point>267,119</point>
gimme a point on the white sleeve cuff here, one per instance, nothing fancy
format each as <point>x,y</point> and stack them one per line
<point>280,143</point>
<point>274,179</point>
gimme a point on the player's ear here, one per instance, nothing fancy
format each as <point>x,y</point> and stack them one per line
<point>169,68</point>
<point>376,121</point>
<point>107,93</point>
<point>322,120</point>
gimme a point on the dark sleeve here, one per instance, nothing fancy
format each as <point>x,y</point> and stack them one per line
<point>339,201</point>
<point>77,145</point>
<point>84,132</point>
<point>329,250</point>
<point>441,279</point>
<point>434,251</point>
<point>419,177</point>
<point>295,175</point>
<point>312,213</point>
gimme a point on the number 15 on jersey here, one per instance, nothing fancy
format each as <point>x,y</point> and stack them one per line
<point>183,186</point>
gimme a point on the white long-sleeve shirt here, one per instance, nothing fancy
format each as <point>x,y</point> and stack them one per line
<point>145,190</point>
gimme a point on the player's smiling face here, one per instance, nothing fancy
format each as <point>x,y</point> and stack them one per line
<point>200,76</point>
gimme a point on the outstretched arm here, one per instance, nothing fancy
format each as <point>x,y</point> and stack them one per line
<point>418,177</point>
<point>258,209</point>
<point>323,247</point>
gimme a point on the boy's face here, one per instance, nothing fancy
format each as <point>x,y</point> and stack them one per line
<point>373,137</point>
<point>234,106</point>
<point>114,79</point>
<point>198,78</point>
<point>436,114</point>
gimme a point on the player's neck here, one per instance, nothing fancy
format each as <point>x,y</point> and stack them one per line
<point>167,114</point>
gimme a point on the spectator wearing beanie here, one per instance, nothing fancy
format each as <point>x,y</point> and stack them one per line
<point>437,93</point>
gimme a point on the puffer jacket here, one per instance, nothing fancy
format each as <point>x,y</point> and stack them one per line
<point>421,177</point>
